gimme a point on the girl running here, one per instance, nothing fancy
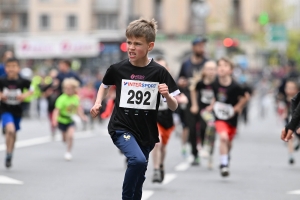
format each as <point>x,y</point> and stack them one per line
<point>201,97</point>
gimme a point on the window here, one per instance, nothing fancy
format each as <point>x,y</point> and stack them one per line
<point>107,5</point>
<point>23,21</point>
<point>158,12</point>
<point>44,22</point>
<point>72,22</point>
<point>236,18</point>
<point>107,21</point>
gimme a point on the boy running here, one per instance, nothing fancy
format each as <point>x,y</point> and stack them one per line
<point>67,106</point>
<point>229,102</point>
<point>139,82</point>
<point>291,91</point>
<point>11,87</point>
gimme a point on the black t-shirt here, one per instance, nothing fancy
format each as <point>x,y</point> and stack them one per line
<point>137,98</point>
<point>11,89</point>
<point>226,98</point>
<point>165,115</point>
<point>205,94</point>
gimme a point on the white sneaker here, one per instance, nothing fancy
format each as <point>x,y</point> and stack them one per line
<point>68,156</point>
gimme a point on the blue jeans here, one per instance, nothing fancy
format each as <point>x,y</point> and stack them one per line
<point>137,157</point>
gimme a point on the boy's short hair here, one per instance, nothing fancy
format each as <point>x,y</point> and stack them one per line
<point>67,62</point>
<point>71,82</point>
<point>142,28</point>
<point>227,60</point>
<point>295,81</point>
<point>10,60</point>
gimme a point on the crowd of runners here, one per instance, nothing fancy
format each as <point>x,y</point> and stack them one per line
<point>141,99</point>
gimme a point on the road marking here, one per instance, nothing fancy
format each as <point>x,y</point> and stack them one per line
<point>7,180</point>
<point>184,165</point>
<point>147,194</point>
<point>168,178</point>
<point>297,192</point>
<point>47,139</point>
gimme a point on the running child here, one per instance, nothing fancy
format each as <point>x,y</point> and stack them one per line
<point>140,82</point>
<point>67,107</point>
<point>165,127</point>
<point>202,96</point>
<point>229,103</point>
<point>291,90</point>
<point>11,87</point>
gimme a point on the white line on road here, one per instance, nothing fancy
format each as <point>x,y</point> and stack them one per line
<point>168,178</point>
<point>147,194</point>
<point>297,192</point>
<point>184,165</point>
<point>47,139</point>
<point>7,180</point>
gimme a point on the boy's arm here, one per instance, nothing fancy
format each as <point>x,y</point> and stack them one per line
<point>55,117</point>
<point>240,105</point>
<point>102,92</point>
<point>171,101</point>
<point>194,107</point>
<point>81,113</point>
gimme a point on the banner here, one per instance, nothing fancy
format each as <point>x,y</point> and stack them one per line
<point>56,48</point>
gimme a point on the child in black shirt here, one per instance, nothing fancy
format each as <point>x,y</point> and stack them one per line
<point>140,82</point>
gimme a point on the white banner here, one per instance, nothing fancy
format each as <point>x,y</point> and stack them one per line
<point>56,48</point>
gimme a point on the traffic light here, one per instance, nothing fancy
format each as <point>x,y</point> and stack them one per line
<point>263,18</point>
<point>229,42</point>
<point>123,47</point>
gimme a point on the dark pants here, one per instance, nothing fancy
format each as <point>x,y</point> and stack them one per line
<point>137,157</point>
<point>193,124</point>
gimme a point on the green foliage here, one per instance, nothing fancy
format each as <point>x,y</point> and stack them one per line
<point>293,49</point>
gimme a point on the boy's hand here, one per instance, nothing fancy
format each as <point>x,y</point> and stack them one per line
<point>54,123</point>
<point>84,118</point>
<point>209,108</point>
<point>3,97</point>
<point>238,109</point>
<point>194,109</point>
<point>286,136</point>
<point>20,98</point>
<point>163,90</point>
<point>95,110</point>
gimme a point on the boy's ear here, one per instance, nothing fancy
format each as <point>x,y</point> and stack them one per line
<point>150,46</point>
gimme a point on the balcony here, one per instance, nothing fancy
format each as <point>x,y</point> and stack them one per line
<point>8,6</point>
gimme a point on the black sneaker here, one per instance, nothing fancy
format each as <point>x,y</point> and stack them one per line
<point>196,161</point>
<point>156,176</point>
<point>162,173</point>
<point>8,162</point>
<point>224,169</point>
<point>291,161</point>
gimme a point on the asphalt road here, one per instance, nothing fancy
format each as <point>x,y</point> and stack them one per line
<point>259,167</point>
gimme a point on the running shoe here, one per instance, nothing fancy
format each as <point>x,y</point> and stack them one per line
<point>8,161</point>
<point>156,176</point>
<point>162,173</point>
<point>196,161</point>
<point>68,156</point>
<point>224,169</point>
<point>291,161</point>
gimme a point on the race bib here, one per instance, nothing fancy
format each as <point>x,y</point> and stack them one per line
<point>11,95</point>
<point>207,96</point>
<point>139,94</point>
<point>223,111</point>
<point>163,105</point>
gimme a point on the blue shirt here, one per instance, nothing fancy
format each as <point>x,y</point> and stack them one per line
<point>2,70</point>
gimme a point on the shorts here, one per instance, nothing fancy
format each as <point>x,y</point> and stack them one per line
<point>165,133</point>
<point>64,127</point>
<point>7,118</point>
<point>222,126</point>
